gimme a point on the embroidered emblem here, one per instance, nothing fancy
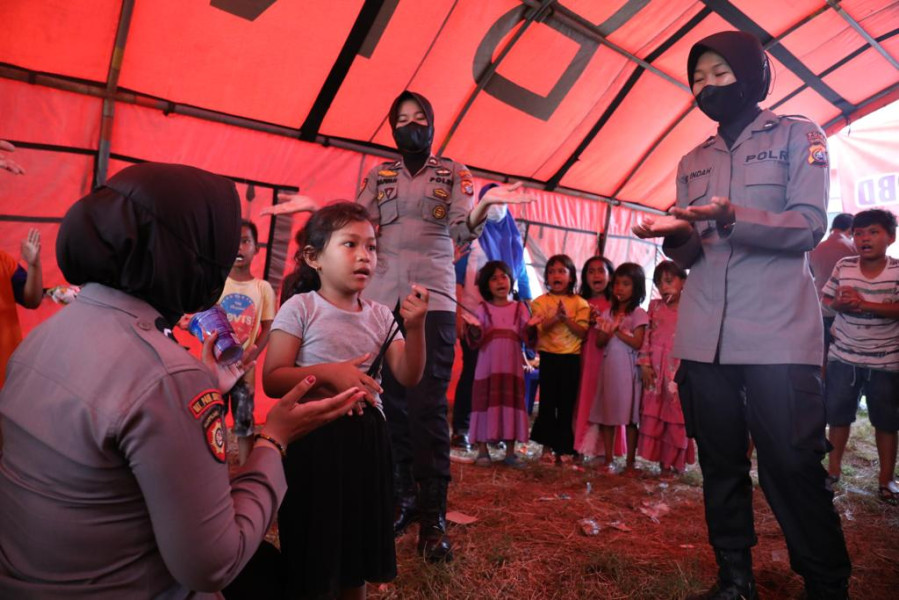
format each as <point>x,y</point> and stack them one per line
<point>817,149</point>
<point>465,174</point>
<point>390,193</point>
<point>214,429</point>
<point>439,211</point>
<point>380,195</point>
<point>444,172</point>
<point>432,162</point>
<point>201,403</point>
<point>386,173</point>
<point>467,187</point>
<point>441,193</point>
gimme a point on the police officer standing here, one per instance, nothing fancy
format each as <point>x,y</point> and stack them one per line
<point>751,202</point>
<point>421,204</point>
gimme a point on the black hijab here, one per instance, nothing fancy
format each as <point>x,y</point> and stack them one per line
<point>746,57</point>
<point>167,234</point>
<point>414,161</point>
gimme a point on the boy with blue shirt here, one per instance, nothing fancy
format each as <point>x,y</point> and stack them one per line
<point>864,357</point>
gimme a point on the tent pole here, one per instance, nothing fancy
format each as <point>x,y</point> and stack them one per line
<point>101,168</point>
<point>603,235</point>
<point>861,31</point>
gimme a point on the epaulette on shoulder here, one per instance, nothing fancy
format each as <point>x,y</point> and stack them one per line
<point>797,118</point>
<point>708,141</point>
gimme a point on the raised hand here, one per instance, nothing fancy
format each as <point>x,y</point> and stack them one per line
<point>288,420</point>
<point>718,209</point>
<point>225,375</point>
<point>8,164</point>
<point>508,194</point>
<point>289,204</point>
<point>31,248</point>
<point>561,313</point>
<point>415,307</point>
<point>661,226</point>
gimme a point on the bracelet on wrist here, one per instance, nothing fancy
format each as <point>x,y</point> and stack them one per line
<point>281,449</point>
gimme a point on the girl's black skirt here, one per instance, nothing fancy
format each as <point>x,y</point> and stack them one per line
<point>336,521</point>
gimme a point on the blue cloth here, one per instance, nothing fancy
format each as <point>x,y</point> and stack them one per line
<point>502,241</point>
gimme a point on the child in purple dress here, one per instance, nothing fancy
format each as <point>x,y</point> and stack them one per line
<point>621,330</point>
<point>663,438</point>
<point>497,402</point>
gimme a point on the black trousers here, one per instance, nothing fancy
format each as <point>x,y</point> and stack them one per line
<point>560,376</point>
<point>782,407</point>
<point>462,402</point>
<point>416,416</point>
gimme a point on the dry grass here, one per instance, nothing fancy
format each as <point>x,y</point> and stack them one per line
<point>527,544</point>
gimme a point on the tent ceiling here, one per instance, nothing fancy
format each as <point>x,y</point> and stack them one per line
<point>574,95</point>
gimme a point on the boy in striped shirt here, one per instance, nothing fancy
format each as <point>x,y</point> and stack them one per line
<point>864,357</point>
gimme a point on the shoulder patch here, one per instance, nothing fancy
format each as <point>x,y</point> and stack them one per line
<point>209,406</point>
<point>203,401</point>
<point>817,149</point>
<point>214,430</point>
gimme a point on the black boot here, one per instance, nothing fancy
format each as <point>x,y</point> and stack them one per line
<point>735,580</point>
<point>827,590</point>
<point>432,541</point>
<point>404,498</point>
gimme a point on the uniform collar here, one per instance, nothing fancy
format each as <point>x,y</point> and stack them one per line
<point>764,121</point>
<point>144,314</point>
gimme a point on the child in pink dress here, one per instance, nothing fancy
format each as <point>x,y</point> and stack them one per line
<point>498,411</point>
<point>595,289</point>
<point>663,438</point>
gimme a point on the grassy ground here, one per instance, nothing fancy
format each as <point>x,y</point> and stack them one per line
<point>529,543</point>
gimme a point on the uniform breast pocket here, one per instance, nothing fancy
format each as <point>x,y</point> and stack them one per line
<point>697,195</point>
<point>435,209</point>
<point>389,210</point>
<point>766,185</point>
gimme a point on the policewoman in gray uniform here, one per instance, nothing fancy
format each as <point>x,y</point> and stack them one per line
<point>113,475</point>
<point>751,201</point>
<point>420,204</point>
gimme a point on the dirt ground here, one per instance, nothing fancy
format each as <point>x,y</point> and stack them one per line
<point>650,537</point>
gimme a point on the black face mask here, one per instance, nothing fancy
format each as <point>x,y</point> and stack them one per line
<point>413,138</point>
<point>722,103</point>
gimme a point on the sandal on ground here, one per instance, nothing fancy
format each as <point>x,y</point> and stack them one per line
<point>483,460</point>
<point>889,493</point>
<point>514,462</point>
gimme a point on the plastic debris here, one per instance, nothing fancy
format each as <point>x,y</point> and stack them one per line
<point>589,527</point>
<point>654,510</point>
<point>619,526</point>
<point>459,518</point>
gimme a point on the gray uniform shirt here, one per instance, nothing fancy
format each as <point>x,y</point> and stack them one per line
<point>112,475</point>
<point>750,296</point>
<point>418,218</point>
